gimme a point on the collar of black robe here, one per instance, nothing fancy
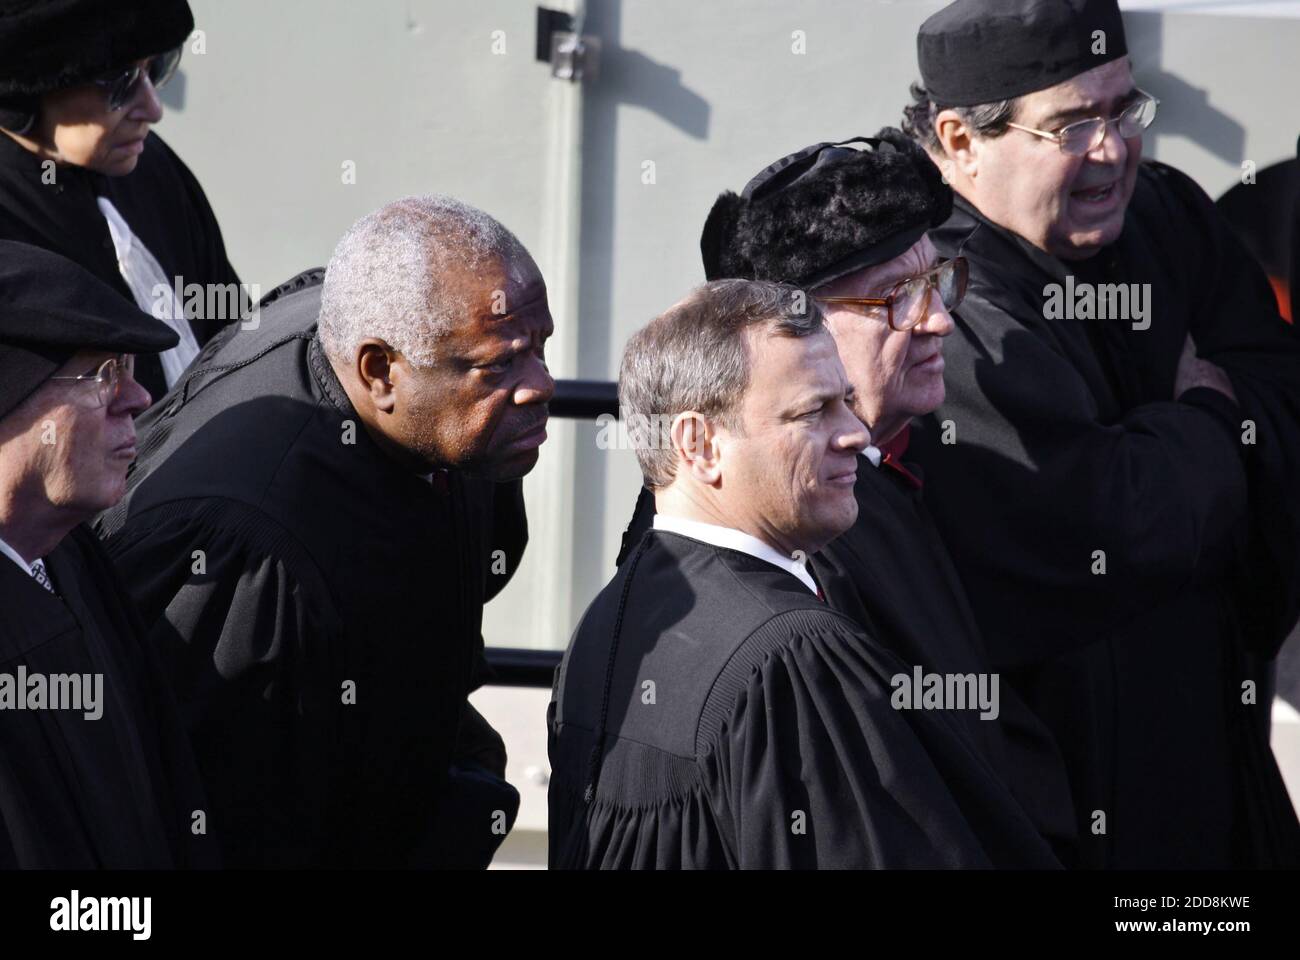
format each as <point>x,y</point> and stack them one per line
<point>439,482</point>
<point>62,215</point>
<point>328,379</point>
<point>31,171</point>
<point>1054,267</point>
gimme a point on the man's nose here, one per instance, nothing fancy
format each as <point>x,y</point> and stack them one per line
<point>1113,150</point>
<point>850,432</point>
<point>537,387</point>
<point>131,398</point>
<point>937,321</point>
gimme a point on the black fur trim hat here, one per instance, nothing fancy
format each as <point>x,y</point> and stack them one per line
<point>48,45</point>
<point>826,211</point>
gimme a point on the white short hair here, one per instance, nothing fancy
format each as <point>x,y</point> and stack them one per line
<point>385,277</point>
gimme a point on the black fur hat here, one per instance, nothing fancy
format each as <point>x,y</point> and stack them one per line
<point>48,45</point>
<point>826,211</point>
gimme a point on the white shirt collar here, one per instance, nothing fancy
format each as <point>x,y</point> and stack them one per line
<point>12,554</point>
<point>872,453</point>
<point>731,539</point>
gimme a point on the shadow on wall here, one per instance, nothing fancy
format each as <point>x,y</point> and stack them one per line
<point>1186,109</point>
<point>628,78</point>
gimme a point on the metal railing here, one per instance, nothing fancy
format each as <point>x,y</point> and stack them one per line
<point>512,666</point>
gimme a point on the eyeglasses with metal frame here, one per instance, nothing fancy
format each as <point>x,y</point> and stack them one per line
<point>108,377</point>
<point>1084,136</point>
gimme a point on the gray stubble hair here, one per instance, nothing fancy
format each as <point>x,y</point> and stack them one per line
<point>386,277</point>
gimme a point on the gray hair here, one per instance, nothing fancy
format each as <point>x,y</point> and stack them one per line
<point>987,120</point>
<point>385,278</point>
<point>693,357</point>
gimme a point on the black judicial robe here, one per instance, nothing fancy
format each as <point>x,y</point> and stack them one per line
<point>318,609</point>
<point>118,791</point>
<point>711,712</point>
<point>160,200</point>
<point>892,575</point>
<point>1065,441</point>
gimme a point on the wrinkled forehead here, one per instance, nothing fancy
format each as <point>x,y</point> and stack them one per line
<point>784,369</point>
<point>496,285</point>
<point>1091,93</point>
<point>511,312</point>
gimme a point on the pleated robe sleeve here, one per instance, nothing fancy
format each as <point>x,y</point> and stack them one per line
<point>815,768</point>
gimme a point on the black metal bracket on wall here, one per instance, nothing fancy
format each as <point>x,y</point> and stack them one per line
<point>549,23</point>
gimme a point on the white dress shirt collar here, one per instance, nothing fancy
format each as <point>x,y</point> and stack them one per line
<point>732,539</point>
<point>12,554</point>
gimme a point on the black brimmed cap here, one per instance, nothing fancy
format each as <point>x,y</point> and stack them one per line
<point>50,308</point>
<point>981,51</point>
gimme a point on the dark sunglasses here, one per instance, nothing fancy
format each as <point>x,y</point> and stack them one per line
<point>121,85</point>
<point>908,299</point>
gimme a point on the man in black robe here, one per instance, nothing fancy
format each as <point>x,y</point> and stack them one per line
<point>81,174</point>
<point>712,710</point>
<point>1116,467</point>
<point>319,513</point>
<point>847,224</point>
<point>95,771</point>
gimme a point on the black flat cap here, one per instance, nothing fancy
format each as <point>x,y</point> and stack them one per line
<point>826,211</point>
<point>982,51</point>
<point>50,308</point>
<point>48,45</point>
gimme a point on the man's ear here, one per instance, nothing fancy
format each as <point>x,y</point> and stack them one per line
<point>374,368</point>
<point>956,144</point>
<point>695,444</point>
